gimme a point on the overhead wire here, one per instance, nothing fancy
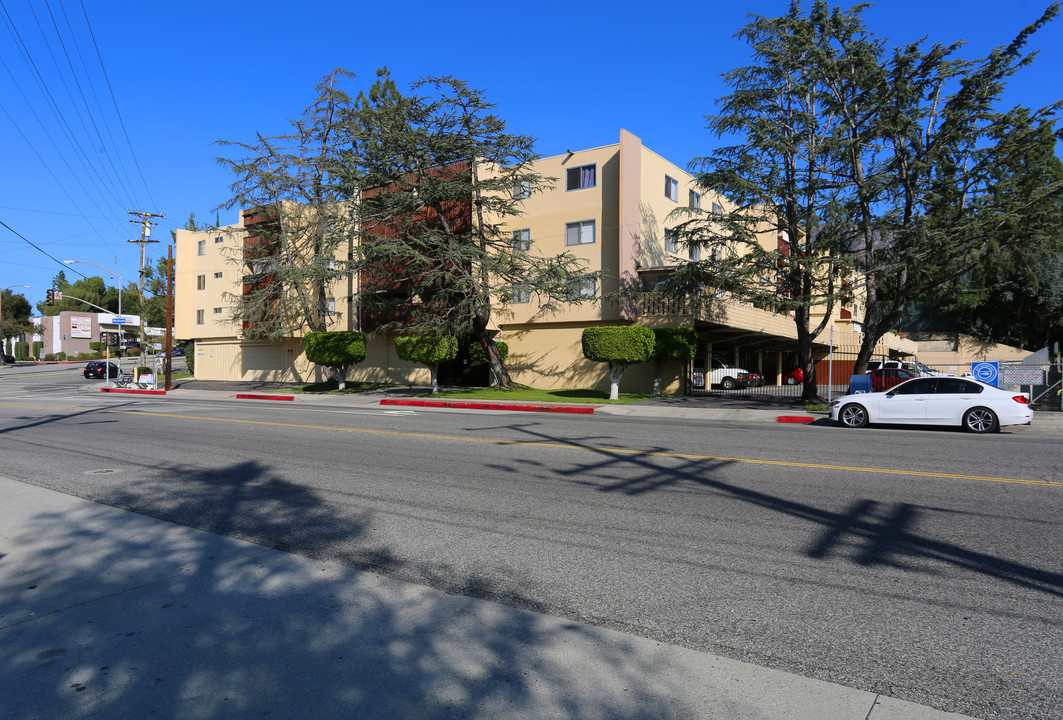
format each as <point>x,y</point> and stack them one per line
<point>41,250</point>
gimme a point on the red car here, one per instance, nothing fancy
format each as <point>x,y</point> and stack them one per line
<point>886,378</point>
<point>796,377</point>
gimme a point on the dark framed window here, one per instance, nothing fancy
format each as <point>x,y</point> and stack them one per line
<point>581,178</point>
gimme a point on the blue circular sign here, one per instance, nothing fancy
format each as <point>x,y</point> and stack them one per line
<point>986,372</point>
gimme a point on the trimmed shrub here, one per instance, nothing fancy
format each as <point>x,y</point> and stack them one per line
<point>60,356</point>
<point>190,356</point>
<point>477,354</point>
<point>37,347</point>
<point>672,344</point>
<point>337,351</point>
<point>49,357</point>
<point>97,346</point>
<point>620,346</point>
<point>430,350</point>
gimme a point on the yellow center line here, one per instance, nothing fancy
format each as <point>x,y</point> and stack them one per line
<point>564,446</point>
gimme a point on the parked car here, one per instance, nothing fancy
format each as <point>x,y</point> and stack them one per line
<point>794,377</point>
<point>972,405</point>
<point>729,378</point>
<point>886,378</point>
<point>178,352</point>
<point>95,369</point>
<point>10,359</point>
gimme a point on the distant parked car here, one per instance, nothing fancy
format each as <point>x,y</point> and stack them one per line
<point>886,378</point>
<point>96,369</point>
<point>178,352</point>
<point>730,378</point>
<point>795,377</point>
<point>10,359</point>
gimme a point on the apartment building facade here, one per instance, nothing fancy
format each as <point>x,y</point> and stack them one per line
<point>611,206</point>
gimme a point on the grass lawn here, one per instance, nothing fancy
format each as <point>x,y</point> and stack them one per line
<point>526,394</point>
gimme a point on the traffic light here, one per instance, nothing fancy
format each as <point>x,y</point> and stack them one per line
<point>50,297</point>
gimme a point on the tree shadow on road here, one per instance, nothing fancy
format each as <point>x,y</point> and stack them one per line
<point>106,613</point>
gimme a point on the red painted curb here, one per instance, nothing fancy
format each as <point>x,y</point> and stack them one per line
<point>490,406</point>
<point>799,419</point>
<point>243,396</point>
<point>134,392</point>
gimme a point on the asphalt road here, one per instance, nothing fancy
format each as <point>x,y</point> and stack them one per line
<point>922,564</point>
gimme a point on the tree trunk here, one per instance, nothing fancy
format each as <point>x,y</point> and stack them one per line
<point>658,367</point>
<point>616,371</point>
<point>435,378</point>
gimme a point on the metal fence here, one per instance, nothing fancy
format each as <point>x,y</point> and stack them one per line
<point>773,367</point>
<point>769,371</point>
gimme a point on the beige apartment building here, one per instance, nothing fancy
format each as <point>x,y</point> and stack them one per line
<point>612,206</point>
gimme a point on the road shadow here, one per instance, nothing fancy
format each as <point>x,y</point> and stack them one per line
<point>106,613</point>
<point>867,533</point>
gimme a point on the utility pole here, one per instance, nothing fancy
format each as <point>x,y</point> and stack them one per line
<point>169,318</point>
<point>145,234</point>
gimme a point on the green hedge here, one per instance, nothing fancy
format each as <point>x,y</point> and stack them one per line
<point>675,344</point>
<point>477,354</point>
<point>426,349</point>
<point>37,346</point>
<point>621,344</point>
<point>335,349</point>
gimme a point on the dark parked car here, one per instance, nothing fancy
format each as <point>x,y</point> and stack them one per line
<point>178,352</point>
<point>9,359</point>
<point>886,378</point>
<point>95,369</point>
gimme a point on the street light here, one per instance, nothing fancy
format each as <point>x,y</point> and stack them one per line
<point>121,332</point>
<point>2,299</point>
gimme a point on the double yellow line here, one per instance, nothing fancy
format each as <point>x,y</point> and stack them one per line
<point>567,446</point>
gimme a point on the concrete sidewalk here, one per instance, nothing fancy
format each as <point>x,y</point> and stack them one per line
<point>105,613</point>
<point>739,408</point>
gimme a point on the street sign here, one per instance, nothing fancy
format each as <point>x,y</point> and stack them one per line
<point>987,372</point>
<point>1021,375</point>
<point>56,295</point>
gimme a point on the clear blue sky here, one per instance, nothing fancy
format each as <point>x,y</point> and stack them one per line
<point>184,74</point>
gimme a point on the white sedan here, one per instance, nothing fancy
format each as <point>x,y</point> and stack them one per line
<point>974,406</point>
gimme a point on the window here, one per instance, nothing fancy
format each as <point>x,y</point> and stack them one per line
<point>522,189</point>
<point>580,178</point>
<point>522,240</point>
<point>650,282</point>
<point>217,311</point>
<point>579,233</point>
<point>581,288</point>
<point>920,386</point>
<point>201,282</point>
<point>330,306</point>
<point>717,209</point>
<point>521,294</point>
<point>694,253</point>
<point>671,241</point>
<point>218,239</point>
<point>201,247</point>
<point>217,275</point>
<point>694,202</point>
<point>671,188</point>
<point>199,317</point>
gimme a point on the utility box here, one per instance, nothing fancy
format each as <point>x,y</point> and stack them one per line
<point>859,384</point>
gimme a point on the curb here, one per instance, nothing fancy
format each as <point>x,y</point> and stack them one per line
<point>246,396</point>
<point>490,406</point>
<point>133,392</point>
<point>796,419</point>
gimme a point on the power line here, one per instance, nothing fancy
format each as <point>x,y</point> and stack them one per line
<point>43,252</point>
